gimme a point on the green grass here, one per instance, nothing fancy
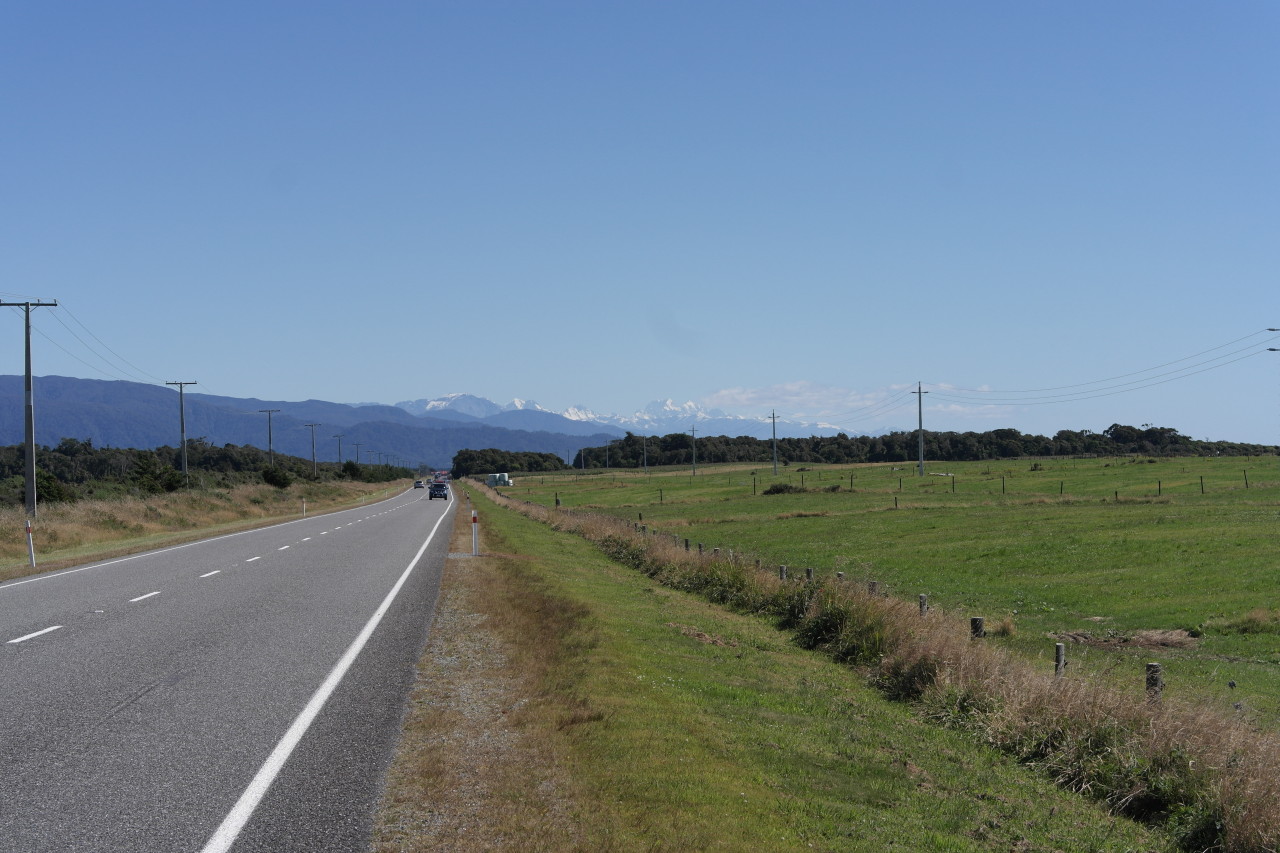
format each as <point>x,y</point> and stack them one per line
<point>1108,547</point>
<point>698,729</point>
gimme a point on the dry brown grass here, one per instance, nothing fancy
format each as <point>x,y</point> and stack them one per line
<point>69,533</point>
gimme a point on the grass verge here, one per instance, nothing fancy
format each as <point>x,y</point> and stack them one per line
<point>67,534</point>
<point>567,702</point>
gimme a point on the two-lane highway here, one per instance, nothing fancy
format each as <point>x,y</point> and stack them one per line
<point>239,693</point>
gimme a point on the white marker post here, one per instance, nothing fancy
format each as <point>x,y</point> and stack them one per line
<point>475,534</point>
<point>31,545</point>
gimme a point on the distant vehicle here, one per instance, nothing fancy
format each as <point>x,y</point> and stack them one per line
<point>438,490</point>
<point>418,484</point>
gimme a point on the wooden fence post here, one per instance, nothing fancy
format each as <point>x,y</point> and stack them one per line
<point>924,604</point>
<point>1059,659</point>
<point>976,628</point>
<point>1155,683</point>
<point>782,573</point>
<point>808,574</point>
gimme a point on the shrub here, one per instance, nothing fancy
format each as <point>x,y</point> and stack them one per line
<point>277,477</point>
<point>782,489</point>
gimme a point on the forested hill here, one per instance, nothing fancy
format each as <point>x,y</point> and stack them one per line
<point>1116,440</point>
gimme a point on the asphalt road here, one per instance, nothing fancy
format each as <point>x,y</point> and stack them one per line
<point>240,693</point>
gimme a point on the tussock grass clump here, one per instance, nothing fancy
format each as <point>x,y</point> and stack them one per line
<point>1208,779</point>
<point>1260,620</point>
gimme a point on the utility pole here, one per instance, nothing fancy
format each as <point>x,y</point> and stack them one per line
<point>182,427</point>
<point>271,454</point>
<point>644,439</point>
<point>315,472</point>
<point>358,445</point>
<point>773,416</point>
<point>339,437</point>
<point>693,438</point>
<point>920,414</point>
<point>30,403</point>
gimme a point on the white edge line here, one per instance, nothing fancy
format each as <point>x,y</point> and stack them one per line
<point>229,830</point>
<point>23,639</point>
<point>210,574</point>
<point>51,575</point>
<point>148,595</point>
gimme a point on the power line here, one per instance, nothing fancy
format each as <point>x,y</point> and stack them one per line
<point>1105,391</point>
<point>1095,396</point>
<point>90,333</point>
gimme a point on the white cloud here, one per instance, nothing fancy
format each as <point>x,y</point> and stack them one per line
<point>804,400</point>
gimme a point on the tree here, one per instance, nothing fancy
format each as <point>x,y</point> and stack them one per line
<point>276,476</point>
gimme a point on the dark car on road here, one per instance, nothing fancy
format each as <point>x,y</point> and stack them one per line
<point>438,490</point>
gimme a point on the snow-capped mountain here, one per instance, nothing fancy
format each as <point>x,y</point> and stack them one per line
<point>661,417</point>
<point>464,404</point>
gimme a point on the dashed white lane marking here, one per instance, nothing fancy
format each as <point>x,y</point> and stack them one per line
<point>251,559</point>
<point>283,548</point>
<point>306,538</point>
<point>148,595</point>
<point>26,637</point>
<point>210,574</point>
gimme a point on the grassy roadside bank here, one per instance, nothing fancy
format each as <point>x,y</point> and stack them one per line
<point>566,702</point>
<point>67,534</point>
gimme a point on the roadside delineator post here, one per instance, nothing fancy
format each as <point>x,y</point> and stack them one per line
<point>475,534</point>
<point>31,545</point>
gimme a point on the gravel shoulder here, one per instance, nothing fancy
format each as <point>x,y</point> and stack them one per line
<point>472,771</point>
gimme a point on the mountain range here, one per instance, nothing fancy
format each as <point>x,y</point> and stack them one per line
<point>426,433</point>
<point>658,418</point>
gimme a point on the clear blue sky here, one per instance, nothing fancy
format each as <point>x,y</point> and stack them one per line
<point>800,206</point>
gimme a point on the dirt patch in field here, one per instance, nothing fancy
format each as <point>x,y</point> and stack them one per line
<point>702,636</point>
<point>1172,638</point>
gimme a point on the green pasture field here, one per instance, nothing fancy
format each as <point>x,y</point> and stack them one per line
<point>1095,553</point>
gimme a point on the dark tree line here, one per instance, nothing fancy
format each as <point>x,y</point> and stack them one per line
<point>494,461</point>
<point>1115,440</point>
<point>76,469</point>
